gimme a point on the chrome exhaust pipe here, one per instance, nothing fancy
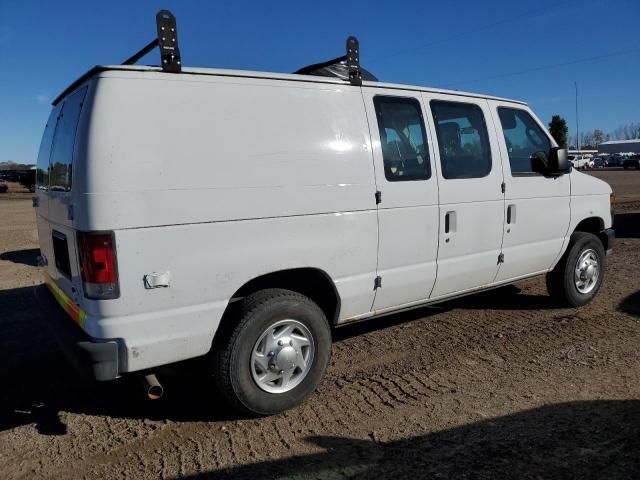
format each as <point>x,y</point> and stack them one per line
<point>152,387</point>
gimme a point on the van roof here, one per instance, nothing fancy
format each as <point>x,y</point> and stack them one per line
<point>220,72</point>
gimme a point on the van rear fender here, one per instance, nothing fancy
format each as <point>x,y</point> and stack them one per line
<point>310,282</point>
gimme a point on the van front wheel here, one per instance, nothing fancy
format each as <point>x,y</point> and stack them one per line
<point>274,354</point>
<point>578,276</point>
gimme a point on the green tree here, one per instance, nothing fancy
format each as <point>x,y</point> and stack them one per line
<point>558,130</point>
<point>597,136</point>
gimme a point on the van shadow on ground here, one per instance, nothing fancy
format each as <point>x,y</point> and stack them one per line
<point>627,225</point>
<point>594,439</point>
<point>631,305</point>
<point>508,297</point>
<point>37,382</point>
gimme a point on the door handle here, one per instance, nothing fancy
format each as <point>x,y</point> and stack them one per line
<point>450,222</point>
<point>511,214</point>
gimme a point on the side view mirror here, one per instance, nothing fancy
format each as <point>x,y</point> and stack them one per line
<point>554,163</point>
<point>559,164</point>
<point>540,162</point>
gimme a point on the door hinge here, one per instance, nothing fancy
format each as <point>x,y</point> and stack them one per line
<point>503,187</point>
<point>378,197</point>
<point>377,283</point>
<point>501,258</point>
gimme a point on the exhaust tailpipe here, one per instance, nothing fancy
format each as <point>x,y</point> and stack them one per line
<point>152,387</point>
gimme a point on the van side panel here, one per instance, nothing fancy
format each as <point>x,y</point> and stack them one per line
<point>209,262</point>
<point>204,149</point>
<point>218,181</point>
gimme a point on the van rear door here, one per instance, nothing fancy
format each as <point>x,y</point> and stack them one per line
<point>55,210</point>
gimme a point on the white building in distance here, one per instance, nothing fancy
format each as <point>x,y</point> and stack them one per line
<point>620,146</point>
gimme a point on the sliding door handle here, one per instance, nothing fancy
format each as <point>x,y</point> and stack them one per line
<point>450,222</point>
<point>511,214</point>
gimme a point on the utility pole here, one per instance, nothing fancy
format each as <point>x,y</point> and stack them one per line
<point>577,121</point>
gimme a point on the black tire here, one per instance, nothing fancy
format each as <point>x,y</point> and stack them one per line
<point>561,284</point>
<point>233,346</point>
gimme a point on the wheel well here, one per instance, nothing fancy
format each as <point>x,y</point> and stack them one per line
<point>310,282</point>
<point>594,225</point>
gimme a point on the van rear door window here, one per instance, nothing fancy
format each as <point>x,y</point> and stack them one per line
<point>63,142</point>
<point>42,170</point>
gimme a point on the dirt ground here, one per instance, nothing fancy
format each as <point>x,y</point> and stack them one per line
<point>497,385</point>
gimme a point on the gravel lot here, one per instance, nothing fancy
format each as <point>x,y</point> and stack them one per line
<point>497,385</point>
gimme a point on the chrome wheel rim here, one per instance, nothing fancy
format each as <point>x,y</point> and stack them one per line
<point>282,356</point>
<point>587,271</point>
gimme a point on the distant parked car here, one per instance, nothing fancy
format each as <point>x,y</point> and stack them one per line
<point>580,162</point>
<point>632,162</point>
<point>599,162</point>
<point>4,186</point>
<point>616,160</point>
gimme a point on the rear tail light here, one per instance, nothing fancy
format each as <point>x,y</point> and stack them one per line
<point>98,265</point>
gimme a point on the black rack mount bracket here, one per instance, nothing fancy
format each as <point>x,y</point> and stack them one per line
<point>347,67</point>
<point>167,41</point>
<point>353,61</point>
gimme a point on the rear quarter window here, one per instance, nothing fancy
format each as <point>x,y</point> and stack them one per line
<point>61,161</point>
<point>42,169</point>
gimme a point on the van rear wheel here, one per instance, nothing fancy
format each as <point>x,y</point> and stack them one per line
<point>578,276</point>
<point>274,354</point>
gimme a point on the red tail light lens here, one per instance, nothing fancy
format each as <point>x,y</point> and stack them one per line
<point>98,265</point>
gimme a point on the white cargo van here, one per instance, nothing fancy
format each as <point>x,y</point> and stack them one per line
<point>239,215</point>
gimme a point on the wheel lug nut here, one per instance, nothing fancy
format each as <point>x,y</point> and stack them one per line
<point>280,342</point>
<point>270,354</point>
<point>291,342</point>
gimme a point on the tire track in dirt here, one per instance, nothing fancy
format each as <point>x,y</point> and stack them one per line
<point>382,391</point>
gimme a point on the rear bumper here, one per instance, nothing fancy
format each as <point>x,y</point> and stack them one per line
<point>608,235</point>
<point>92,358</point>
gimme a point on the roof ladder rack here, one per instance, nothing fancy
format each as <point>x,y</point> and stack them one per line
<point>353,61</point>
<point>346,67</point>
<point>167,41</point>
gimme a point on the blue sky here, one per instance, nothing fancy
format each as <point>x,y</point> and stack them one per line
<point>499,47</point>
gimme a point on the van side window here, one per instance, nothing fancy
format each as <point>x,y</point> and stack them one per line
<point>463,139</point>
<point>63,141</point>
<point>523,137</point>
<point>42,169</point>
<point>403,139</point>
